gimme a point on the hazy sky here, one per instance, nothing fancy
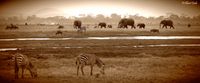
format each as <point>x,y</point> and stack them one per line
<point>45,8</point>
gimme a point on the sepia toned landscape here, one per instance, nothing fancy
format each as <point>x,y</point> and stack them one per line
<point>52,39</point>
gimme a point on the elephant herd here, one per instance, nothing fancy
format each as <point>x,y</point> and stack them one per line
<point>125,22</point>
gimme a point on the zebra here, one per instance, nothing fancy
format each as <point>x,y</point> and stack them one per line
<point>22,61</point>
<point>60,27</point>
<point>154,31</point>
<point>11,26</point>
<point>59,32</point>
<point>82,29</point>
<point>89,60</point>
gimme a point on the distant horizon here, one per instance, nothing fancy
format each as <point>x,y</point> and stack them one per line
<point>94,16</point>
<point>70,8</point>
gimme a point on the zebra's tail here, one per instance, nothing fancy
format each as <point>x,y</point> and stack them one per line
<point>76,61</point>
<point>31,65</point>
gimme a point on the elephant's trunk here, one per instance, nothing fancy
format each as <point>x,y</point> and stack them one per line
<point>160,25</point>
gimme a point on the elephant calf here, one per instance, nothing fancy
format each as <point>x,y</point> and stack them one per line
<point>102,24</point>
<point>109,26</point>
<point>141,25</point>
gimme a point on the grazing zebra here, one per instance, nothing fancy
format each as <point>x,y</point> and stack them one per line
<point>60,27</point>
<point>90,60</point>
<point>22,61</point>
<point>11,26</point>
<point>59,32</point>
<point>82,29</point>
<point>154,30</point>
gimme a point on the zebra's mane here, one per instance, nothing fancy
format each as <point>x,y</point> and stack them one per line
<point>99,62</point>
<point>31,65</point>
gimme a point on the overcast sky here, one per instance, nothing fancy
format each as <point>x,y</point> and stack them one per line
<point>45,8</point>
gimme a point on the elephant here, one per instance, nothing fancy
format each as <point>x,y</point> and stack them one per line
<point>123,23</point>
<point>166,23</point>
<point>102,24</point>
<point>141,25</point>
<point>77,24</point>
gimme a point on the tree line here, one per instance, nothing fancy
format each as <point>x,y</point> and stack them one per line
<point>112,19</point>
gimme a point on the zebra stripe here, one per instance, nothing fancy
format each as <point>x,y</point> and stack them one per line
<point>84,58</point>
<point>19,58</point>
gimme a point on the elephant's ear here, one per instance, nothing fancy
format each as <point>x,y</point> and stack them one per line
<point>121,24</point>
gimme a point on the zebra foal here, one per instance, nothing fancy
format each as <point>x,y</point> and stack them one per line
<point>22,61</point>
<point>89,60</point>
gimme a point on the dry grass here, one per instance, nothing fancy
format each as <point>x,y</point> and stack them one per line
<point>69,31</point>
<point>118,70</point>
<point>123,65</point>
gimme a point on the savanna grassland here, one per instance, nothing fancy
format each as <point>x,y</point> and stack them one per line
<point>55,59</point>
<point>35,31</point>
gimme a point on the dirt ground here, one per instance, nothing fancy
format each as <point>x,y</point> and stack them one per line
<point>55,60</point>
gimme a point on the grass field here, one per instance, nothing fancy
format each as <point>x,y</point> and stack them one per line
<point>32,31</point>
<point>55,59</point>
<point>145,69</point>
